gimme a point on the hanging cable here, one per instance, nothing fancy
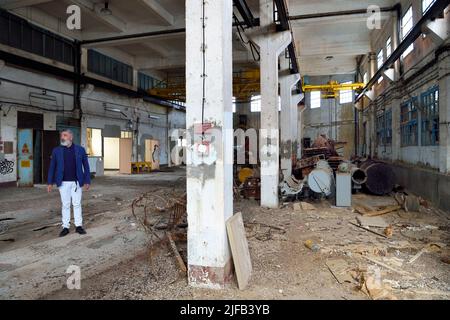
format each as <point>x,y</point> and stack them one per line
<point>252,46</point>
<point>203,67</point>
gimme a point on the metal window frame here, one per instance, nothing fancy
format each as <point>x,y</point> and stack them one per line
<point>119,71</point>
<point>428,102</point>
<point>410,125</point>
<point>384,127</point>
<point>45,37</point>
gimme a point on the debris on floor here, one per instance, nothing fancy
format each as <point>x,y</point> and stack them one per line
<point>308,249</point>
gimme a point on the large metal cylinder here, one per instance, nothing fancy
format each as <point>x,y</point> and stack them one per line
<point>380,177</point>
<point>320,180</point>
<point>359,176</point>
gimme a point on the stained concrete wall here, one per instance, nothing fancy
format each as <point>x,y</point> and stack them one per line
<point>391,99</point>
<point>23,90</point>
<point>421,169</point>
<point>332,118</point>
<point>429,184</point>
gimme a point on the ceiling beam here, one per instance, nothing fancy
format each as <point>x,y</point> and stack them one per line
<point>94,11</point>
<point>158,48</point>
<point>17,4</point>
<point>135,37</point>
<point>360,18</point>
<point>179,61</point>
<point>338,13</point>
<point>159,10</point>
<point>334,48</point>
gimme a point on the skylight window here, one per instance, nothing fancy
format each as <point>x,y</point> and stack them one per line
<point>426,4</point>
<point>315,99</point>
<point>380,60</point>
<point>388,47</point>
<point>407,25</point>
<point>346,96</point>
<point>255,104</point>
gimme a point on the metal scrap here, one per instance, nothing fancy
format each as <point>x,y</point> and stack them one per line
<point>163,210</point>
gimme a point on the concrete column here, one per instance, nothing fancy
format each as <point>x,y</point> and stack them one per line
<point>372,132</point>
<point>372,106</point>
<point>395,42</point>
<point>396,138</point>
<point>372,64</point>
<point>295,124</point>
<point>287,122</point>
<point>444,112</point>
<point>300,109</point>
<point>209,155</point>
<point>271,45</point>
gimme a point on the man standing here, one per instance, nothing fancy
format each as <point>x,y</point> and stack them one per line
<point>69,170</point>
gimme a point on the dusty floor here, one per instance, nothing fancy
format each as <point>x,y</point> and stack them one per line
<point>368,266</point>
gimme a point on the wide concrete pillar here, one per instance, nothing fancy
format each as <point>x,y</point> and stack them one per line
<point>271,44</point>
<point>210,142</point>
<point>444,112</point>
<point>287,122</point>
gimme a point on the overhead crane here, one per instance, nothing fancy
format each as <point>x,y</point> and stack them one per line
<point>331,89</point>
<point>246,83</point>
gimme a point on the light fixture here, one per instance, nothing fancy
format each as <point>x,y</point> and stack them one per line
<point>105,10</point>
<point>153,117</point>
<point>129,125</point>
<point>113,109</point>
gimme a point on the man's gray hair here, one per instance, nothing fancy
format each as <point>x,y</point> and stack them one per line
<point>68,131</point>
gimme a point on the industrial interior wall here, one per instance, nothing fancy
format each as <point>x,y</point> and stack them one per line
<point>114,114</point>
<point>332,118</point>
<point>26,91</point>
<point>385,129</point>
<point>35,92</point>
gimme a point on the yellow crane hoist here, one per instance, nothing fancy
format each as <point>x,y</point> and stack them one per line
<point>332,89</point>
<point>245,84</point>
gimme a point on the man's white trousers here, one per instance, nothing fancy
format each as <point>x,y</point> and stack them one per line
<point>71,192</point>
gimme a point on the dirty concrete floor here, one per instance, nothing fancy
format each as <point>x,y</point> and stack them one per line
<point>34,260</point>
<point>364,265</point>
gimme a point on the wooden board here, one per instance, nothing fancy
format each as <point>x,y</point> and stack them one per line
<point>340,270</point>
<point>175,251</point>
<point>377,212</point>
<point>126,150</point>
<point>239,250</point>
<point>368,221</point>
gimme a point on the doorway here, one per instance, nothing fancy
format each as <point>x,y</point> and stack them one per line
<point>111,153</point>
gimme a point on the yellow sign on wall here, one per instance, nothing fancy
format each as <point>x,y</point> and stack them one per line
<point>25,164</point>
